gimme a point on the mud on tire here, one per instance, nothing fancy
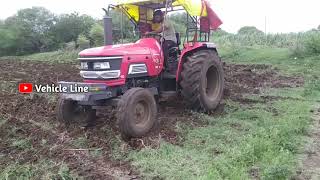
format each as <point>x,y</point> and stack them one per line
<point>137,112</point>
<point>202,80</point>
<point>70,112</point>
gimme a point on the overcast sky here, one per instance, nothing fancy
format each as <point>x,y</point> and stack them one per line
<point>281,15</point>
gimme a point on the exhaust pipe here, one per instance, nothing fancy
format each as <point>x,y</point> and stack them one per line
<point>107,23</point>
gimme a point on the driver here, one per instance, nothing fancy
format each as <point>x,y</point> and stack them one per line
<point>165,27</point>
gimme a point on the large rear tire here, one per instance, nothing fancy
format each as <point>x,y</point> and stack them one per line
<point>202,80</point>
<point>70,112</point>
<point>137,111</point>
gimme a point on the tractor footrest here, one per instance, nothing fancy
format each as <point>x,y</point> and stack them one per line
<point>168,75</point>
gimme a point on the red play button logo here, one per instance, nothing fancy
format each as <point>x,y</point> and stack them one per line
<point>25,88</point>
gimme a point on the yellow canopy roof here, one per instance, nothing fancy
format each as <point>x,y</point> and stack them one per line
<point>193,7</point>
<point>125,2</point>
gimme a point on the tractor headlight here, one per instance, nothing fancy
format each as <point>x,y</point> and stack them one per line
<point>101,65</point>
<point>84,65</point>
<point>137,69</point>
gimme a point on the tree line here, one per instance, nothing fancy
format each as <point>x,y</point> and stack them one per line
<point>36,29</point>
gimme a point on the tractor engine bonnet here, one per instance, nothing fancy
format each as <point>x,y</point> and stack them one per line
<point>115,50</point>
<point>145,46</point>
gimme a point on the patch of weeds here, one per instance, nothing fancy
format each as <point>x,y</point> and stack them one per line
<point>8,87</point>
<point>44,142</point>
<point>17,172</point>
<point>22,144</point>
<point>312,88</point>
<point>278,57</point>
<point>253,98</point>
<point>119,149</point>
<point>80,142</point>
<point>96,152</point>
<point>296,93</point>
<point>278,169</point>
<point>310,92</point>
<point>3,121</point>
<point>64,172</point>
<point>182,128</point>
<point>231,106</point>
<point>44,169</point>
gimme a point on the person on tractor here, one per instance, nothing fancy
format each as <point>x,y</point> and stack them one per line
<point>162,25</point>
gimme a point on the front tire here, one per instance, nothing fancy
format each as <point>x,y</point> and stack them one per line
<point>137,110</point>
<point>202,80</point>
<point>70,112</point>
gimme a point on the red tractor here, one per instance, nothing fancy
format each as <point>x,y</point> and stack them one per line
<point>133,77</point>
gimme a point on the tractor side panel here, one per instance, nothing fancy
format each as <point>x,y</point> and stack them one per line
<point>189,48</point>
<point>153,68</point>
<point>154,62</point>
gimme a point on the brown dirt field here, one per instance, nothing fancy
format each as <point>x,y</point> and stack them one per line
<point>33,117</point>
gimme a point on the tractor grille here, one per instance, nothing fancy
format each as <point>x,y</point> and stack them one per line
<point>110,69</point>
<point>100,74</point>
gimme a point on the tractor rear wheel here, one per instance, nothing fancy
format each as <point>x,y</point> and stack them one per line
<point>202,80</point>
<point>137,110</point>
<point>70,112</point>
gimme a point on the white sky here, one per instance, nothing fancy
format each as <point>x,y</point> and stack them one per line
<point>282,15</point>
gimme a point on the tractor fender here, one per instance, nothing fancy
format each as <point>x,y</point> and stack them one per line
<point>189,48</point>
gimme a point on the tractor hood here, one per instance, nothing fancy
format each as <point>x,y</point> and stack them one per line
<point>141,47</point>
<point>124,49</point>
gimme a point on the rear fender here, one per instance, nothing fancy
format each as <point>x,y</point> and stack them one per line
<point>188,49</point>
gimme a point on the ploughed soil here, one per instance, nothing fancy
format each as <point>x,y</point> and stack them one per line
<point>33,117</point>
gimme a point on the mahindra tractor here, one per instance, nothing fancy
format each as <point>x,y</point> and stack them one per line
<point>134,77</point>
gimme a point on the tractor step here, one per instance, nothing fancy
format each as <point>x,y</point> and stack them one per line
<point>167,95</point>
<point>168,75</point>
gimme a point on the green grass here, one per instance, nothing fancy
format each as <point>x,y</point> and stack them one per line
<point>6,87</point>
<point>22,144</point>
<point>261,140</point>
<point>80,142</point>
<point>2,121</point>
<point>278,57</point>
<point>50,57</point>
<point>44,169</point>
<point>230,146</point>
<point>308,93</point>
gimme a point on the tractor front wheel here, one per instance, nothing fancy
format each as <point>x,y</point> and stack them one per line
<point>137,112</point>
<point>70,112</point>
<point>202,80</point>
